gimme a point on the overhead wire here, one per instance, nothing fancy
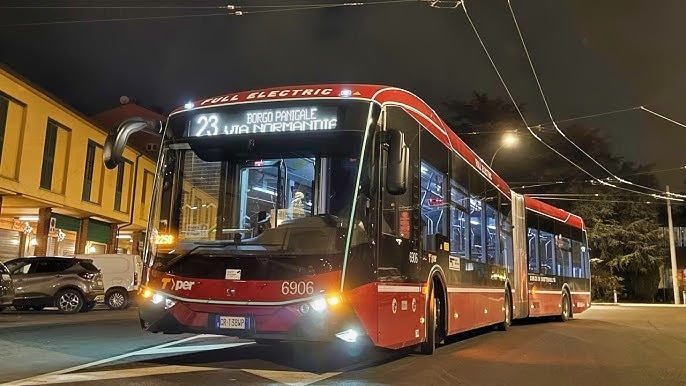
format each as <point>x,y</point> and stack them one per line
<point>550,114</point>
<point>514,102</point>
<point>663,117</point>
<point>591,116</point>
<point>230,10</point>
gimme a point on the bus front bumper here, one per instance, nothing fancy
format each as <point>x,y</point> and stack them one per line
<point>292,322</point>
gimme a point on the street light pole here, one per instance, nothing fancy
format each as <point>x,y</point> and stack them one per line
<point>672,250</point>
<point>496,152</point>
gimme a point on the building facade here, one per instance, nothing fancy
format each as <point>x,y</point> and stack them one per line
<point>56,196</point>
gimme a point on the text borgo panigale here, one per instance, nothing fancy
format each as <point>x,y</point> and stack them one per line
<point>267,121</point>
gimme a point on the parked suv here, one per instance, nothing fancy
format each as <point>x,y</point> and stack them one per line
<point>6,287</point>
<point>68,283</point>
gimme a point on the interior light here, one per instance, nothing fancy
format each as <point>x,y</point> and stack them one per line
<point>263,190</point>
<point>189,105</point>
<point>28,218</point>
<point>346,93</point>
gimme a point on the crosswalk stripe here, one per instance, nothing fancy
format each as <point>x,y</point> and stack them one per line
<point>111,374</point>
<point>299,378</point>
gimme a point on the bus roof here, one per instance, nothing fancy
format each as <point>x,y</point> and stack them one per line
<point>386,95</point>
<point>554,212</point>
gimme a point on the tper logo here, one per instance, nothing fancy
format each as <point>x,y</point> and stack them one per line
<point>177,285</point>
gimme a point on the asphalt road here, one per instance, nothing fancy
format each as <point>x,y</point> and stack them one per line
<point>607,345</point>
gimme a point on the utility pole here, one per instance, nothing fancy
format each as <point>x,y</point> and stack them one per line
<point>672,250</point>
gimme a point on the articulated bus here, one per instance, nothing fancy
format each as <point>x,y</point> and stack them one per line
<point>344,213</point>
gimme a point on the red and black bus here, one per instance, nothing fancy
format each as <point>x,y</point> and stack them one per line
<point>342,212</point>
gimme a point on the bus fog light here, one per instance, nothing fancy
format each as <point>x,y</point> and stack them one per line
<point>304,309</point>
<point>157,298</point>
<point>348,336</point>
<point>168,303</point>
<point>319,304</point>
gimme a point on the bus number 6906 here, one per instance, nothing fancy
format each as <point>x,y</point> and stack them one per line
<point>297,288</point>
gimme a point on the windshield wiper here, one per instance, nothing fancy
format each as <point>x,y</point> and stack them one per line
<point>198,245</point>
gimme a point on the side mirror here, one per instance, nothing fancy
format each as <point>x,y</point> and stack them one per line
<point>397,164</point>
<point>116,142</point>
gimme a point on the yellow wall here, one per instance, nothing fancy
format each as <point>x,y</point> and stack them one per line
<point>22,158</point>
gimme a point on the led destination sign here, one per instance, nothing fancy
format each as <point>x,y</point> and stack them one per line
<point>276,120</point>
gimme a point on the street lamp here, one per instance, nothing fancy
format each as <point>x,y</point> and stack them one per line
<point>507,141</point>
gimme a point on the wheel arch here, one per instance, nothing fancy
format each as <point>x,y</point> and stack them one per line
<point>70,287</point>
<point>568,290</point>
<point>436,274</point>
<point>114,288</point>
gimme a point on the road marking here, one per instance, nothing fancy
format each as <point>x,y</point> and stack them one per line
<point>197,348</point>
<point>112,374</point>
<point>300,378</point>
<point>145,351</point>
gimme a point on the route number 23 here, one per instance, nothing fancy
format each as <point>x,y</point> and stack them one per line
<point>297,288</point>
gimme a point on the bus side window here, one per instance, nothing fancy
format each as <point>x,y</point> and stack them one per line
<point>434,191</point>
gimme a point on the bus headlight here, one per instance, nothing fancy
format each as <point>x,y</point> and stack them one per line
<point>322,303</point>
<point>157,298</point>
<point>318,304</point>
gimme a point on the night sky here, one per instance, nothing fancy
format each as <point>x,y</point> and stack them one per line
<point>591,57</point>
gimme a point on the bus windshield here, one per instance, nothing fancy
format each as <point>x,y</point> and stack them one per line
<point>284,199</point>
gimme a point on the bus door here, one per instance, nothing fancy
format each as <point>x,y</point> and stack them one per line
<point>400,300</point>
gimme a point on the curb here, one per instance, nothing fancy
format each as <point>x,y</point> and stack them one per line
<point>639,305</point>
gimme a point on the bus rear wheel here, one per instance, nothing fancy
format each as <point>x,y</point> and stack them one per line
<point>507,312</point>
<point>565,308</point>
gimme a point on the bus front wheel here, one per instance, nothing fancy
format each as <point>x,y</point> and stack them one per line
<point>434,327</point>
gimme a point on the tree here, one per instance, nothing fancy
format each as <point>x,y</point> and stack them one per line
<point>625,237</point>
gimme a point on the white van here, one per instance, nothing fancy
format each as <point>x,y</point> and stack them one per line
<point>121,276</point>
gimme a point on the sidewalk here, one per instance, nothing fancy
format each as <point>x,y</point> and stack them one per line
<point>639,305</point>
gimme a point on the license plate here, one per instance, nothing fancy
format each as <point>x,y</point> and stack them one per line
<point>99,282</point>
<point>233,322</point>
<point>100,298</point>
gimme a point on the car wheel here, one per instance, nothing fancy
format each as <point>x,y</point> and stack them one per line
<point>69,301</point>
<point>117,299</point>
